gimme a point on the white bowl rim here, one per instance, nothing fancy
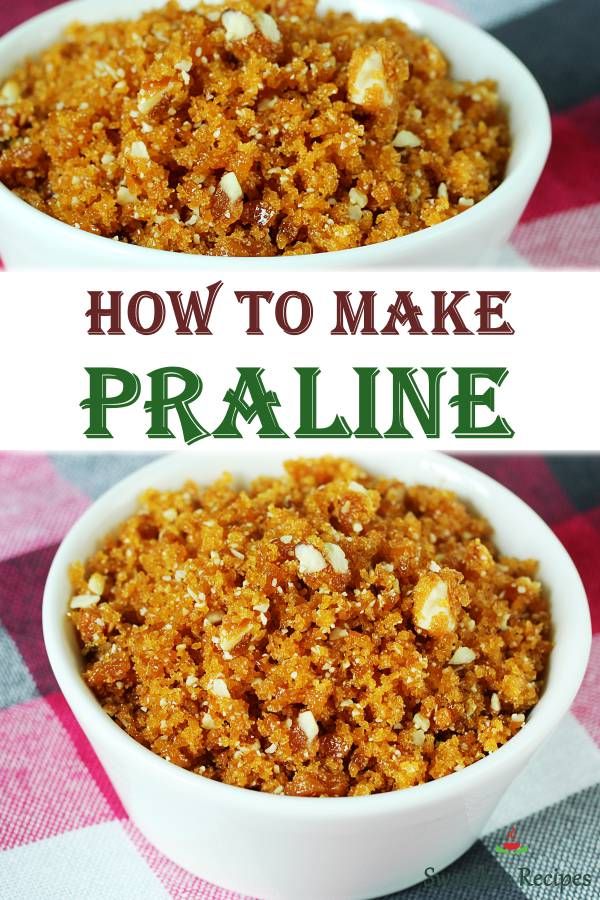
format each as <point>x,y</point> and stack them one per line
<point>552,706</point>
<point>533,157</point>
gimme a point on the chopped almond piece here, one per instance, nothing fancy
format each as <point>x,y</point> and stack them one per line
<point>367,82</point>
<point>238,26</point>
<point>432,608</point>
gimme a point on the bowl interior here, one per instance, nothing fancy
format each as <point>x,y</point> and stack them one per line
<point>518,531</point>
<point>486,58</point>
<point>473,55</point>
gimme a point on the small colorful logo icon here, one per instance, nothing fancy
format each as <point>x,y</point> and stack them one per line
<point>511,844</point>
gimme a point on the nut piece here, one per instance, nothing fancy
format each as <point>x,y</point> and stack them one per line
<point>310,560</point>
<point>358,201</point>
<point>268,27</point>
<point>138,150</point>
<point>10,93</point>
<point>462,656</point>
<point>431,605</point>
<point>357,198</point>
<point>308,724</point>
<point>97,583</point>
<point>406,139</point>
<point>238,26</point>
<point>84,601</point>
<point>421,722</point>
<point>367,84</point>
<point>418,737</point>
<point>147,102</point>
<point>124,196</point>
<point>231,640</point>
<point>230,186</point>
<point>185,67</point>
<point>337,558</point>
<point>218,687</point>
<point>338,633</point>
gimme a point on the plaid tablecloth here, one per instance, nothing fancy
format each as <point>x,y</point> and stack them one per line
<point>558,40</point>
<point>60,820</point>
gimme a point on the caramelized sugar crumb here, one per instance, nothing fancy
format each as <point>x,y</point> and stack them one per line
<point>255,637</point>
<point>252,128</point>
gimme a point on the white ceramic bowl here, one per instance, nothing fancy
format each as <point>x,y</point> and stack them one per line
<point>31,239</point>
<point>290,848</point>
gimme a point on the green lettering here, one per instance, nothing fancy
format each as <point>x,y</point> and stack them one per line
<point>427,411</point>
<point>339,428</point>
<point>99,402</point>
<point>161,404</point>
<point>467,401</point>
<point>367,427</point>
<point>260,406</point>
